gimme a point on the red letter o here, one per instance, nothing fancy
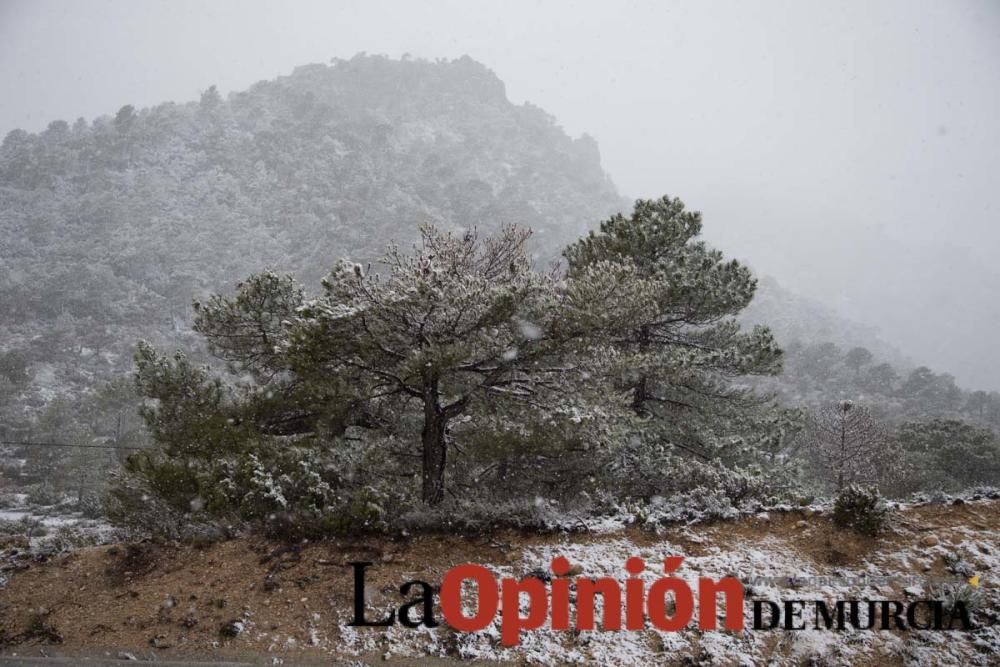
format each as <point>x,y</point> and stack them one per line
<point>487,597</point>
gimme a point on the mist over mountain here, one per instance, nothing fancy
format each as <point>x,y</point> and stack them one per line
<point>797,319</point>
<point>112,227</point>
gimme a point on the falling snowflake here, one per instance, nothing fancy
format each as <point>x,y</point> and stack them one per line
<point>529,330</point>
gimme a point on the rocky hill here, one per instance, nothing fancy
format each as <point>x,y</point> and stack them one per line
<point>110,228</point>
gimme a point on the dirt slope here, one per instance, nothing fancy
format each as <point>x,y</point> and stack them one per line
<point>249,595</point>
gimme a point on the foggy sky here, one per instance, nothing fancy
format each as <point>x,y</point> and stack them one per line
<point>850,150</point>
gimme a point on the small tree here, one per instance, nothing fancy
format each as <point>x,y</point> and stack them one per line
<point>931,392</point>
<point>861,508</point>
<point>858,357</point>
<point>125,118</point>
<point>880,379</point>
<point>210,99</point>
<point>977,402</point>
<point>14,368</point>
<point>848,441</point>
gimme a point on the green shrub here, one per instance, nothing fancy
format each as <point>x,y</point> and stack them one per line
<point>131,505</point>
<point>67,538</point>
<point>91,507</point>
<point>950,594</point>
<point>39,629</point>
<point>44,494</point>
<point>861,508</point>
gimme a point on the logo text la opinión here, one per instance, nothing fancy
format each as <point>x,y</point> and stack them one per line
<point>668,604</point>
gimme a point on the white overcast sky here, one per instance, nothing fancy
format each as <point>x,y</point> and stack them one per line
<point>849,149</point>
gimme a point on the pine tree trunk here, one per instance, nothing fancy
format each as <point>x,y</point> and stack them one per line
<point>434,445</point>
<point>640,393</point>
<point>843,453</point>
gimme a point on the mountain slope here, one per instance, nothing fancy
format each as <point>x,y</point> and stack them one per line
<point>797,320</point>
<point>110,228</point>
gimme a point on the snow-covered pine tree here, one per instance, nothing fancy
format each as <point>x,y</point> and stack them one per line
<point>459,356</point>
<point>678,348</point>
<point>851,446</point>
<point>460,322</point>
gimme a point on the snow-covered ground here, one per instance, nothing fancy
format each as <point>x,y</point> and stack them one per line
<point>770,570</point>
<point>44,523</point>
<point>779,555</point>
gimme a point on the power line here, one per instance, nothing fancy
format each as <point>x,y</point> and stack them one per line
<point>17,443</point>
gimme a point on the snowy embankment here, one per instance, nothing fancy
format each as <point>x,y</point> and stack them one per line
<point>297,600</point>
<point>919,565</point>
<point>50,527</point>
